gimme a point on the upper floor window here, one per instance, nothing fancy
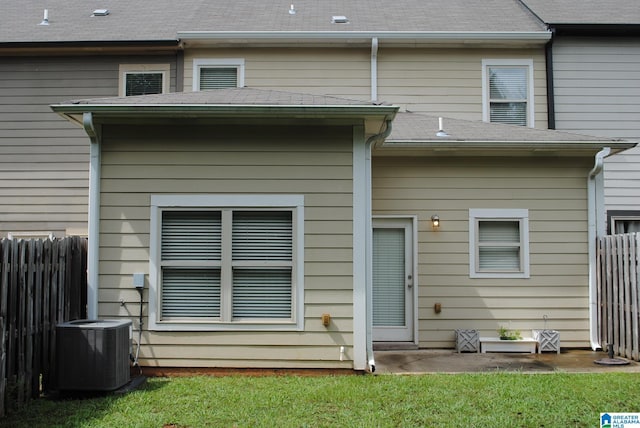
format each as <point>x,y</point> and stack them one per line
<point>143,79</point>
<point>499,243</point>
<point>218,73</point>
<point>507,88</point>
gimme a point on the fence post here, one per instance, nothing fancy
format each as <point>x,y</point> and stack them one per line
<point>4,292</point>
<point>634,296</point>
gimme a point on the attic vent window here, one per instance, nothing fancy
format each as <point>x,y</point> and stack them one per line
<point>100,12</point>
<point>339,19</point>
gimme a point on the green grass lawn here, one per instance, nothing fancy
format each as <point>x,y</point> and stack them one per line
<point>466,400</point>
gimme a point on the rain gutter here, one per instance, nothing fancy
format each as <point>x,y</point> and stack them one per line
<point>454,36</point>
<point>368,220</point>
<point>71,111</point>
<point>595,216</point>
<point>374,69</point>
<point>94,215</point>
<point>532,146</point>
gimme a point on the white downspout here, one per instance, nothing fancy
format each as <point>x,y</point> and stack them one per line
<point>374,69</point>
<point>369,243</point>
<point>595,215</point>
<point>94,216</point>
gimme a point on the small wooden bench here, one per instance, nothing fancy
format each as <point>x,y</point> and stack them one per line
<point>495,344</point>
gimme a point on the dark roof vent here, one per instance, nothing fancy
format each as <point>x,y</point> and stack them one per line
<point>339,19</point>
<point>100,12</point>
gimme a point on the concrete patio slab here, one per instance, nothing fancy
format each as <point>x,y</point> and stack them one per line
<point>449,361</point>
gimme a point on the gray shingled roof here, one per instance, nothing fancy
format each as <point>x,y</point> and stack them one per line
<point>586,11</point>
<point>414,127</point>
<point>406,127</point>
<point>146,20</point>
<point>231,96</point>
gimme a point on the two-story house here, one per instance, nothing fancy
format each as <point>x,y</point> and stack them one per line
<point>299,198</point>
<point>594,67</point>
<point>51,52</point>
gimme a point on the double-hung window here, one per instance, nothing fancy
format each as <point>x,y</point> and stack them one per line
<point>143,79</point>
<point>226,261</point>
<point>218,73</point>
<point>507,88</point>
<point>499,243</point>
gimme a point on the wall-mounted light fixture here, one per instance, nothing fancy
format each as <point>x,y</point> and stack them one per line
<point>435,220</point>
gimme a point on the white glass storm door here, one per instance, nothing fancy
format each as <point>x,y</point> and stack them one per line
<point>393,280</point>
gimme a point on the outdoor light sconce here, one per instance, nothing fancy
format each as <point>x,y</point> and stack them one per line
<point>435,220</point>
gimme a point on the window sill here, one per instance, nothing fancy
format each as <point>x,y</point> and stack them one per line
<point>522,275</point>
<point>236,326</point>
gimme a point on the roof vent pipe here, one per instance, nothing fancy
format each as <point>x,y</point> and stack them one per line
<point>45,19</point>
<point>441,132</point>
<point>292,10</point>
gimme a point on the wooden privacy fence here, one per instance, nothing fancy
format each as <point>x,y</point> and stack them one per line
<point>618,305</point>
<point>42,283</point>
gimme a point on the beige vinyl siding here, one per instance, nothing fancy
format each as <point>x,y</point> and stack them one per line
<point>444,82</point>
<point>44,159</point>
<point>323,71</point>
<point>315,162</point>
<point>554,192</point>
<point>448,82</point>
<point>597,92</point>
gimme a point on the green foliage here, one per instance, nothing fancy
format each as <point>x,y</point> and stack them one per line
<point>506,334</point>
<point>469,400</point>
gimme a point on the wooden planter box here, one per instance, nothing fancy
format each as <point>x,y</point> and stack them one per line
<point>495,344</point>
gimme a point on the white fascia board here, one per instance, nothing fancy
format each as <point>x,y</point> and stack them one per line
<point>508,145</point>
<point>456,36</point>
<point>139,108</point>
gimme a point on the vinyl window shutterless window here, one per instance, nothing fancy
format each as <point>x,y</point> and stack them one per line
<point>499,243</point>
<point>218,73</point>
<point>226,266</point>
<point>508,89</point>
<point>253,265</point>
<point>218,78</point>
<point>143,83</point>
<point>143,79</point>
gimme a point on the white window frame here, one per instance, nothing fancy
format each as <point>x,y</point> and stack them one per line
<point>125,69</point>
<point>616,216</point>
<point>295,203</point>
<point>488,63</point>
<point>199,63</point>
<point>478,214</point>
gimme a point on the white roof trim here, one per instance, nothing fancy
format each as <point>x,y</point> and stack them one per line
<point>382,35</point>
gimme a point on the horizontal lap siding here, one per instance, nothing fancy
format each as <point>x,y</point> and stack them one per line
<point>44,159</point>
<point>554,192</point>
<point>335,72</point>
<point>448,82</point>
<point>314,162</point>
<point>597,87</point>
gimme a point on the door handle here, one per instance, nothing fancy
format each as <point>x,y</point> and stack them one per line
<point>409,281</point>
